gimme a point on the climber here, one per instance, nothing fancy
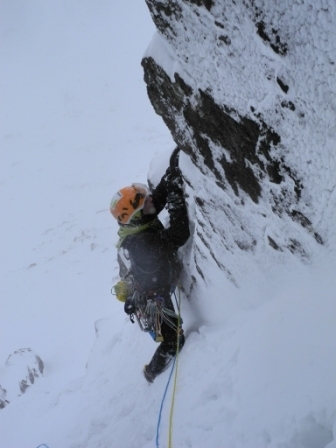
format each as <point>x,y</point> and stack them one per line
<point>148,263</point>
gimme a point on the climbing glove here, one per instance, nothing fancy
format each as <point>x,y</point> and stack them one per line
<point>174,180</point>
<point>129,307</point>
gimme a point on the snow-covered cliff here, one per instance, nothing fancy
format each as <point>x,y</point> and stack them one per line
<point>248,92</point>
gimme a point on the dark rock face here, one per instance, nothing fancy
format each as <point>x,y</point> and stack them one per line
<point>242,138</point>
<point>243,152</point>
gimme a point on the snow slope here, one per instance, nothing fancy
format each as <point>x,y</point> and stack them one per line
<point>68,71</point>
<point>258,366</point>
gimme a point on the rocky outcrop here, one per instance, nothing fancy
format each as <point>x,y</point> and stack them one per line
<point>3,400</point>
<point>21,370</point>
<point>224,85</point>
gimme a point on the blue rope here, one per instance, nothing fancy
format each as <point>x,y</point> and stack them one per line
<point>43,445</point>
<point>161,407</point>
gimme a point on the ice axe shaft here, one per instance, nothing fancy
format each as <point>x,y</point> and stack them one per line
<point>174,159</point>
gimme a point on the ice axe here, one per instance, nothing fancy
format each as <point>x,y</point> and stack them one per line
<point>174,160</point>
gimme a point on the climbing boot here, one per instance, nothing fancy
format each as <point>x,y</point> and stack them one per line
<point>148,374</point>
<point>158,364</point>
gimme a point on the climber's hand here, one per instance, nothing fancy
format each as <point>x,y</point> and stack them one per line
<point>129,306</point>
<point>174,180</point>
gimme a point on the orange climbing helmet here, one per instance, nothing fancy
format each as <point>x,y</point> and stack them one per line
<point>128,202</point>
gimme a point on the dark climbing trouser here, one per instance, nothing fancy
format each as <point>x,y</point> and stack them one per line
<point>168,348</point>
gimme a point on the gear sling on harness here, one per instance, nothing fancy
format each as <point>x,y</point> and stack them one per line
<point>150,313</point>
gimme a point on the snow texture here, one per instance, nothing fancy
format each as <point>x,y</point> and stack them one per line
<point>258,368</point>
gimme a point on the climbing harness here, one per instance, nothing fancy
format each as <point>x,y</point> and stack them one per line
<point>175,363</point>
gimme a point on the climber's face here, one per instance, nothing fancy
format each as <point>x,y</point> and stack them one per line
<point>148,208</point>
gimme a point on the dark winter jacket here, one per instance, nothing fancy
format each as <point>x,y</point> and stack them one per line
<point>150,257</point>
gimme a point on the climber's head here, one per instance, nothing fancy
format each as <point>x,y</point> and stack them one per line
<point>130,205</point>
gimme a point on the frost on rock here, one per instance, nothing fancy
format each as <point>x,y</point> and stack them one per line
<point>21,370</point>
<point>234,90</point>
<point>3,401</point>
